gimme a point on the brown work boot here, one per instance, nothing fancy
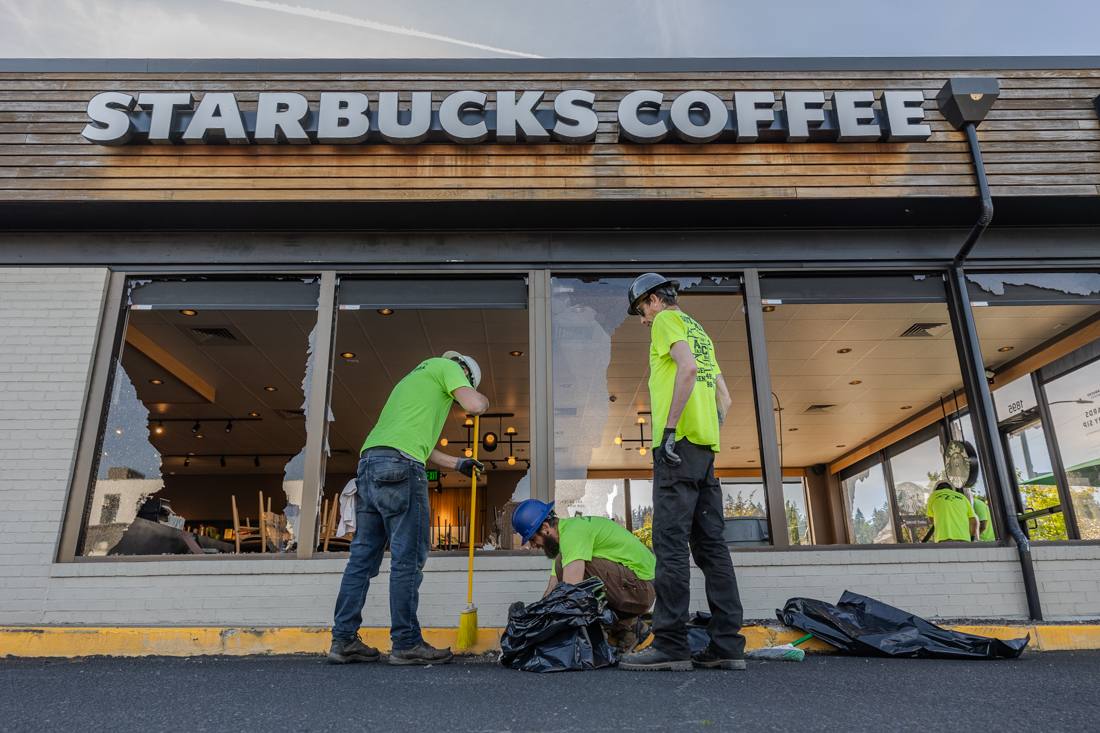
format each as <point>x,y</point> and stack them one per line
<point>424,653</point>
<point>634,639</point>
<point>343,652</point>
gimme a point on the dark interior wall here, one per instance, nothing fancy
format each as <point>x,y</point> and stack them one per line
<point>205,498</point>
<point>817,489</point>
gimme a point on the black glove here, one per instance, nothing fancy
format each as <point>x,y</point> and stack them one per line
<point>665,451</point>
<point>467,466</point>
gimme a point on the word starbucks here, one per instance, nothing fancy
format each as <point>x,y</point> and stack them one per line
<point>347,118</point>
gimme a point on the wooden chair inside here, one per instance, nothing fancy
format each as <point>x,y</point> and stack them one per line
<point>248,537</point>
<point>327,541</point>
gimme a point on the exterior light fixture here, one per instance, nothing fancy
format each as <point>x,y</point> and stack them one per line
<point>159,429</point>
<point>348,355</point>
<point>386,311</point>
<point>271,389</point>
<point>844,351</point>
<point>223,461</point>
<point>196,427</point>
<point>229,426</point>
<point>156,381</point>
<point>443,442</point>
<point>967,100</point>
<point>189,312</point>
<point>511,460</point>
<point>515,353</point>
<point>1006,348</point>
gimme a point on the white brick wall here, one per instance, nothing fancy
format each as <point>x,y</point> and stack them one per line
<point>48,325</point>
<point>49,318</point>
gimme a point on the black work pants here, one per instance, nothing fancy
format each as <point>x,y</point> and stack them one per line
<point>687,509</point>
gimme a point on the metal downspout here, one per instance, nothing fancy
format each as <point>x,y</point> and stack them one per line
<point>982,409</point>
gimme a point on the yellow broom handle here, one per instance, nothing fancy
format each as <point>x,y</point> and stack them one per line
<point>473,513</point>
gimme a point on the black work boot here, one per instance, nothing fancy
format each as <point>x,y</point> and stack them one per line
<point>343,652</point>
<point>425,653</point>
<point>652,659</point>
<point>708,658</point>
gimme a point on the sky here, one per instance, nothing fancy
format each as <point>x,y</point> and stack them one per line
<point>558,29</point>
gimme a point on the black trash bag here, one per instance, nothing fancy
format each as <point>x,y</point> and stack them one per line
<point>698,636</point>
<point>561,632</point>
<point>865,627</point>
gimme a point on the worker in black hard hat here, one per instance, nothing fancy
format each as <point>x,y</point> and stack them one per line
<point>689,401</point>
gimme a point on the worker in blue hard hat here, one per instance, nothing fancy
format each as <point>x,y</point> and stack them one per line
<point>586,547</point>
<point>689,401</point>
<point>393,506</point>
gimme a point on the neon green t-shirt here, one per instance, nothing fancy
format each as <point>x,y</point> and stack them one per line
<point>981,511</point>
<point>699,422</point>
<point>951,512</point>
<point>417,408</point>
<point>583,538</point>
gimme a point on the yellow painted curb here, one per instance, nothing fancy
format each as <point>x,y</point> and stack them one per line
<point>61,641</point>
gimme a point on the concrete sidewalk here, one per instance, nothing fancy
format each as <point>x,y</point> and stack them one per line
<point>1052,692</point>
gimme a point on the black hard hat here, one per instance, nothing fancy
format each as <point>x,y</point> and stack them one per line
<point>645,284</point>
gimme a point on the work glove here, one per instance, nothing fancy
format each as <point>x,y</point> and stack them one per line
<point>665,452</point>
<point>467,466</point>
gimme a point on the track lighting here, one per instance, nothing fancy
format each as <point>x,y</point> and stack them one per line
<point>229,426</point>
<point>256,461</point>
<point>186,462</point>
<point>223,461</point>
<point>159,429</point>
<point>196,427</point>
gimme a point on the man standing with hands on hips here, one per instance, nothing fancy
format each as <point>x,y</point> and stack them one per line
<point>392,505</point>
<point>689,401</point>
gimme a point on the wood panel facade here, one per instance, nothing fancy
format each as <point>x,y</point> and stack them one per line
<point>1042,138</point>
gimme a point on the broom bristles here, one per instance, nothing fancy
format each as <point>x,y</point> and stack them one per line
<point>467,627</point>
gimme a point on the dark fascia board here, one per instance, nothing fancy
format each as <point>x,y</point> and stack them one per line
<point>532,66</point>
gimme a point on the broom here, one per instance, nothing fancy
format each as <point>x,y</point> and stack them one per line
<point>467,625</point>
<point>782,653</point>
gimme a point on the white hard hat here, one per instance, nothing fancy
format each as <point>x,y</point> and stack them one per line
<point>475,370</point>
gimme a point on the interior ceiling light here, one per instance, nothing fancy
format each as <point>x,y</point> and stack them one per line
<point>791,430</point>
<point>907,407</point>
<point>186,462</point>
<point>348,355</point>
<point>641,421</point>
<point>489,441</point>
<point>271,389</point>
<point>198,435</point>
<point>641,450</point>
<point>768,308</point>
<point>189,312</point>
<point>156,381</point>
<point>253,414</point>
<point>511,460</point>
<point>618,440</point>
<point>469,453</point>
<point>119,432</point>
<point>856,381</point>
<point>443,442</point>
<point>510,431</point>
<point>515,353</point>
<point>196,427</point>
<point>159,428</point>
<point>735,447</point>
<point>844,351</point>
<point>469,423</point>
<point>842,446</point>
<point>1006,348</point>
<point>386,311</point>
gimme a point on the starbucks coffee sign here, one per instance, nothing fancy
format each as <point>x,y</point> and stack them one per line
<point>467,117</point>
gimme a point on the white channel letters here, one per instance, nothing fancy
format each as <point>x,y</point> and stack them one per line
<point>644,116</point>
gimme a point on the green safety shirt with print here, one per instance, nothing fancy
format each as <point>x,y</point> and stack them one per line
<point>950,512</point>
<point>699,421</point>
<point>583,538</point>
<point>981,511</point>
<point>417,408</point>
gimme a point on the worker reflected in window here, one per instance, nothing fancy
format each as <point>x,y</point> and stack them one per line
<point>586,547</point>
<point>985,524</point>
<point>952,516</point>
<point>393,506</point>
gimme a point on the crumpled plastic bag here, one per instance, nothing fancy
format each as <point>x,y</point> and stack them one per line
<point>866,627</point>
<point>560,632</point>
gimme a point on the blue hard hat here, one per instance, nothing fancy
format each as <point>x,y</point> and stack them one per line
<point>529,516</point>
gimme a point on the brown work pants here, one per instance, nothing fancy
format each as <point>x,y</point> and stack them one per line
<point>626,594</point>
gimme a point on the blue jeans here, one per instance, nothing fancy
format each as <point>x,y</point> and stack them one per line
<point>393,506</point>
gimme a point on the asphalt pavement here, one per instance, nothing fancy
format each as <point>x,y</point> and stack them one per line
<point>1052,691</point>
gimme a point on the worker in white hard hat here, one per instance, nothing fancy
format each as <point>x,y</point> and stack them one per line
<point>392,506</point>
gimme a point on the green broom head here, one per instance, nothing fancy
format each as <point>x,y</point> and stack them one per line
<point>467,628</point>
<point>784,653</point>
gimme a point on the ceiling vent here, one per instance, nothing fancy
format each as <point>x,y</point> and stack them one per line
<point>217,336</point>
<point>565,412</point>
<point>923,330</point>
<point>820,408</point>
<point>292,414</point>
